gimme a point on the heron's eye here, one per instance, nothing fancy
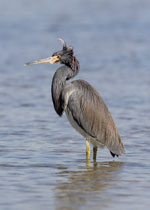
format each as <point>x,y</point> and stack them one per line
<point>58,56</point>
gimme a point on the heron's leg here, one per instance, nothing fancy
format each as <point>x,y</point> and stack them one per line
<point>94,153</point>
<point>87,150</point>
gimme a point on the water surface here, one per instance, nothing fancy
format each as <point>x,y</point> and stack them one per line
<point>42,164</point>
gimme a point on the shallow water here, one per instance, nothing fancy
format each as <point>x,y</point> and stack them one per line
<point>42,164</point>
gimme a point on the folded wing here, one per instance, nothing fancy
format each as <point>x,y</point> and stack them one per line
<point>91,114</point>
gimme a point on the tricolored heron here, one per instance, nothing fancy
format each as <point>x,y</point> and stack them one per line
<point>84,107</point>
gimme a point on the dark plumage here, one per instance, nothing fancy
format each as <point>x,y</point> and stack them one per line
<point>84,107</point>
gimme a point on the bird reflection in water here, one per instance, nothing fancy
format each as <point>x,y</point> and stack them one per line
<point>88,186</point>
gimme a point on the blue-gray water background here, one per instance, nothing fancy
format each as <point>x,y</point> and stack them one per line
<point>42,159</point>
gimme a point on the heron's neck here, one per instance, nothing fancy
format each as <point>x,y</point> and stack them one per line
<point>59,80</point>
<point>73,64</point>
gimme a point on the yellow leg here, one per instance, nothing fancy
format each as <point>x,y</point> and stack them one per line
<point>87,150</point>
<point>88,163</point>
<point>94,153</point>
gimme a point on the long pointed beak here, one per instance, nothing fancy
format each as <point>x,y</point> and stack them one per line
<point>51,60</point>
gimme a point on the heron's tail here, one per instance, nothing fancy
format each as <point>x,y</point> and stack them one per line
<point>113,155</point>
<point>116,147</point>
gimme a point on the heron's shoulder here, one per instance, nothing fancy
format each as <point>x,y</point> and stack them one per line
<point>78,86</point>
<point>86,90</point>
<point>81,84</point>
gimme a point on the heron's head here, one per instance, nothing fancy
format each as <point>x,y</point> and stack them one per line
<point>60,57</point>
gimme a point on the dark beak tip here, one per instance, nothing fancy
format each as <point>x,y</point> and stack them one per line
<point>27,64</point>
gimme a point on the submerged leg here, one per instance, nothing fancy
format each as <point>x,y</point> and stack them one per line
<point>87,150</point>
<point>94,153</point>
